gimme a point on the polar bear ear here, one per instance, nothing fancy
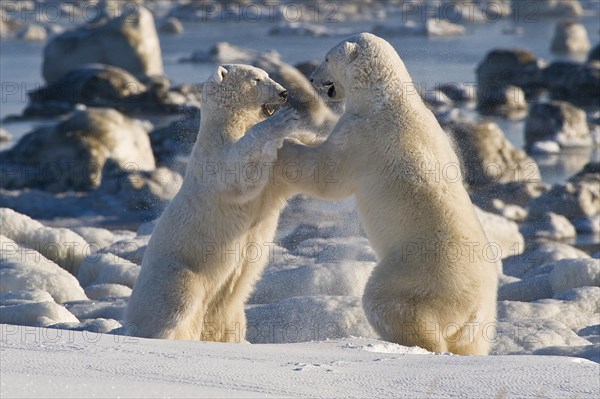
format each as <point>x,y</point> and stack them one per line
<point>351,51</point>
<point>219,74</point>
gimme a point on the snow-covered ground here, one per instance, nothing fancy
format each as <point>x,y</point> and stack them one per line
<point>303,320</point>
<point>39,362</point>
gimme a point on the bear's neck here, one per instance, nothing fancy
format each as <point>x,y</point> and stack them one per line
<point>371,90</point>
<point>230,124</point>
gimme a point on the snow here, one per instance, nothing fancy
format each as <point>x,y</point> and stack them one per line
<point>26,269</point>
<point>573,273</point>
<point>303,317</point>
<point>60,245</point>
<point>58,363</point>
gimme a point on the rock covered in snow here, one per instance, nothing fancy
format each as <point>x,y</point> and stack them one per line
<point>101,291</point>
<point>301,319</point>
<point>141,191</point>
<point>431,27</point>
<point>99,85</point>
<point>71,154</point>
<point>549,225</point>
<point>557,121</point>
<point>171,26</point>
<point>305,29</point>
<point>544,147</point>
<point>227,53</point>
<point>31,308</point>
<point>60,245</point>
<point>128,41</point>
<point>22,268</point>
<point>547,8</point>
<point>502,232</point>
<point>344,278</point>
<point>532,262</point>
<point>587,224</point>
<point>4,135</point>
<point>574,273</point>
<point>107,268</point>
<point>33,33</point>
<point>570,37</point>
<point>578,196</point>
<point>488,157</point>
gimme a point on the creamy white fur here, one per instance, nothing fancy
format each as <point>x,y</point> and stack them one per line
<point>213,240</point>
<point>433,286</point>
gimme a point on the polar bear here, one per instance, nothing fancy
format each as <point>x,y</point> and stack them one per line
<point>433,286</point>
<point>212,241</point>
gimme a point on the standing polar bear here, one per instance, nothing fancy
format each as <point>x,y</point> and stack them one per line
<point>209,246</point>
<point>433,286</point>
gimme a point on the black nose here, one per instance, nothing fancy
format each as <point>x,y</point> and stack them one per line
<point>283,94</point>
<point>311,80</point>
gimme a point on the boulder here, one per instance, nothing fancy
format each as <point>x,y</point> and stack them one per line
<point>99,85</point>
<point>495,197</point>
<point>4,135</point>
<point>529,10</point>
<point>578,196</point>
<point>570,37</point>
<point>306,29</point>
<point>71,154</point>
<point>431,27</point>
<point>129,41</point>
<point>33,33</point>
<point>488,157</point>
<point>534,260</point>
<point>458,92</point>
<point>557,121</point>
<point>171,26</point>
<point>548,225</point>
<point>594,54</point>
<point>141,191</point>
<point>506,67</point>
<point>573,82</point>
<point>226,53</point>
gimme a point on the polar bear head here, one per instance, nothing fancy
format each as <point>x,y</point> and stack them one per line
<point>244,90</point>
<point>360,62</point>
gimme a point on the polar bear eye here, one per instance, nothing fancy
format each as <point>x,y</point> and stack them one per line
<point>326,59</point>
<point>257,80</point>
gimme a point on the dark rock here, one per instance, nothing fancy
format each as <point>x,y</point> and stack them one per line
<point>576,83</point>
<point>557,121</point>
<point>71,154</point>
<point>488,157</point>
<point>507,67</point>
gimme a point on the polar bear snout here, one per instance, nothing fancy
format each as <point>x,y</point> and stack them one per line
<point>283,95</point>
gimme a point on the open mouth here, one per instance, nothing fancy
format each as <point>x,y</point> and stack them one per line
<point>268,109</point>
<point>330,89</point>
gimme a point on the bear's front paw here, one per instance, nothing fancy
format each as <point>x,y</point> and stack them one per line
<point>284,120</point>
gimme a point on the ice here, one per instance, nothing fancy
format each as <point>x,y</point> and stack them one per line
<point>302,319</point>
<point>543,254</point>
<point>107,268</point>
<point>36,314</point>
<point>98,238</point>
<point>346,278</point>
<point>99,291</point>
<point>573,273</point>
<point>61,245</point>
<point>502,231</point>
<point>26,269</point>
